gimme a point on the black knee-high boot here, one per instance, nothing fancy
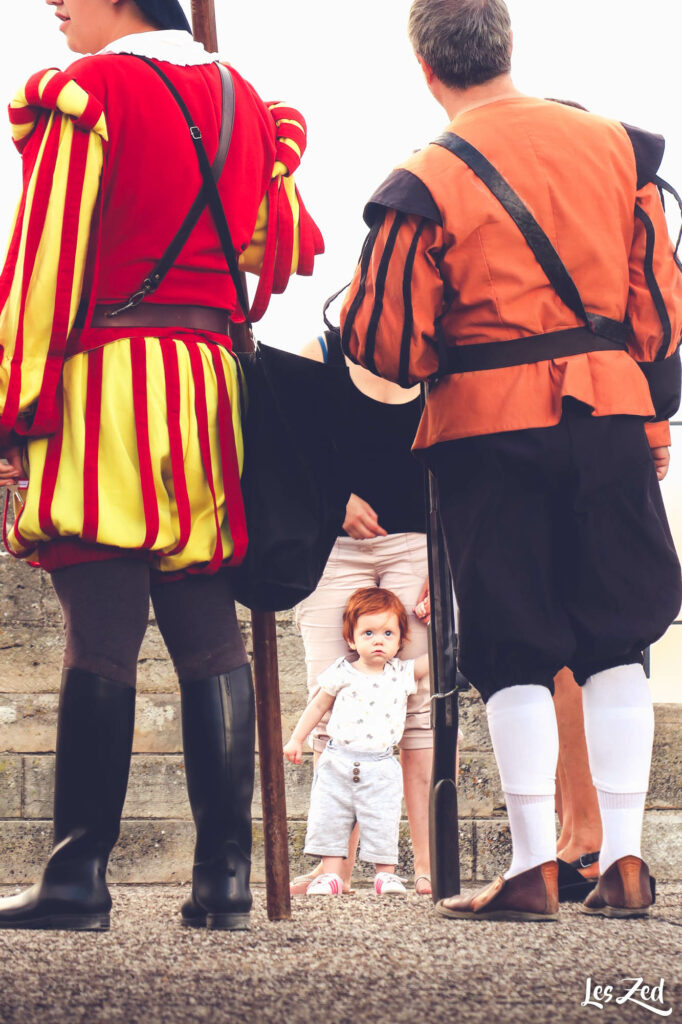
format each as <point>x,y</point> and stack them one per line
<point>94,744</point>
<point>218,721</point>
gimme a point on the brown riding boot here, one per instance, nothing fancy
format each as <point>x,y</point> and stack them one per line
<point>530,896</point>
<point>624,890</point>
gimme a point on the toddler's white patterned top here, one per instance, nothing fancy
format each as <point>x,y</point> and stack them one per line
<point>369,711</point>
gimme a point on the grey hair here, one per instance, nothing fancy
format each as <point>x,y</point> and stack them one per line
<point>464,42</point>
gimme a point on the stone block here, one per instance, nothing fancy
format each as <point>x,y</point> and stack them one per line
<point>162,851</point>
<point>473,722</point>
<point>662,844</point>
<point>10,786</point>
<point>30,659</point>
<point>665,784</point>
<point>297,782</point>
<point>51,609</point>
<point>479,794</point>
<point>157,723</point>
<point>156,788</point>
<point>28,722</point>
<point>24,848</point>
<point>147,851</point>
<point>155,672</point>
<point>153,851</point>
<point>21,596</point>
<point>492,848</point>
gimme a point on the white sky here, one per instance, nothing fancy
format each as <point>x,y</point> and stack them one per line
<point>350,69</point>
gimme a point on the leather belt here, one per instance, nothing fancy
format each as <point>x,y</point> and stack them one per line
<point>155,314</point>
<point>494,355</point>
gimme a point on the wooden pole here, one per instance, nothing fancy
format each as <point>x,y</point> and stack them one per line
<point>204,24</point>
<point>264,637</point>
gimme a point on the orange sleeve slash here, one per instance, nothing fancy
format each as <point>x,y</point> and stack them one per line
<point>655,296</point>
<point>388,315</point>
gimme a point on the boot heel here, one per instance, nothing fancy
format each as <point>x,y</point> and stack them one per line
<point>228,922</point>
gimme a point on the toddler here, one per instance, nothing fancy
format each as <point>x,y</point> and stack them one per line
<point>357,776</point>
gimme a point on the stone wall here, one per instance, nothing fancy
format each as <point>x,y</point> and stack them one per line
<point>157,833</point>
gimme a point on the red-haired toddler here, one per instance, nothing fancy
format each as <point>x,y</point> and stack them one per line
<point>357,776</point>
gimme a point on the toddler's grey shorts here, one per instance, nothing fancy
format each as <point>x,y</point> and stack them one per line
<point>349,786</point>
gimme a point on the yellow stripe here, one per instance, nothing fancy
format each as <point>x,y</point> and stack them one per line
<point>288,120</point>
<point>72,100</point>
<point>41,294</point>
<point>121,510</point>
<point>290,189</point>
<point>20,131</point>
<point>45,80</point>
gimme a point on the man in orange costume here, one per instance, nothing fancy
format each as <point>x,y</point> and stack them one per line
<point>522,262</point>
<point>126,417</point>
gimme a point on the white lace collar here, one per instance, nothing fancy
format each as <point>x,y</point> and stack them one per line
<point>172,45</point>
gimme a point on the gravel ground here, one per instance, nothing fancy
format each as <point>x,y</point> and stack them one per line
<point>352,959</point>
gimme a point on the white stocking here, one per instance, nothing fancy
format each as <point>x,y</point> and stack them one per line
<point>524,735</point>
<point>619,729</point>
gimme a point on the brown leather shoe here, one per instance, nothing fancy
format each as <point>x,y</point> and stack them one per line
<point>624,890</point>
<point>530,896</point>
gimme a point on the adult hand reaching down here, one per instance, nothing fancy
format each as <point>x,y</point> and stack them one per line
<point>361,520</point>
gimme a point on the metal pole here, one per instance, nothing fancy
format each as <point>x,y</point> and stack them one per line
<point>264,637</point>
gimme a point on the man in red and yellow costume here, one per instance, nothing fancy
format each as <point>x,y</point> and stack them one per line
<point>522,262</point>
<point>125,415</point>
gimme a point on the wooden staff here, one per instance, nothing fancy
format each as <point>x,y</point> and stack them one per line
<point>264,637</point>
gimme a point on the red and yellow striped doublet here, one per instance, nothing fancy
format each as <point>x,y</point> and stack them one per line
<point>134,434</point>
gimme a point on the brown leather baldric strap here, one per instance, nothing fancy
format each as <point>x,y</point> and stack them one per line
<point>155,314</point>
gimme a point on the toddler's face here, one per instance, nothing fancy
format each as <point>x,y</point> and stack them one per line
<point>377,638</point>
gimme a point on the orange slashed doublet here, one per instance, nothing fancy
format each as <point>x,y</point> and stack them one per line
<point>444,261</point>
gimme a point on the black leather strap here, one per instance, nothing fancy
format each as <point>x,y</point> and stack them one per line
<point>542,248</point>
<point>208,196</point>
<point>494,355</point>
<point>600,332</point>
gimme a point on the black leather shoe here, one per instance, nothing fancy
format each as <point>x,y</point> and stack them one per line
<point>94,743</point>
<point>218,730</point>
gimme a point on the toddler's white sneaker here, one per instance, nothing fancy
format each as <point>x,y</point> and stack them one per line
<point>327,884</point>
<point>386,884</point>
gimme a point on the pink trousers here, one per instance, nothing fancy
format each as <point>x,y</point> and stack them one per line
<point>397,562</point>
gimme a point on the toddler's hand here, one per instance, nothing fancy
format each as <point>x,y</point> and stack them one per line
<point>293,751</point>
<point>423,610</point>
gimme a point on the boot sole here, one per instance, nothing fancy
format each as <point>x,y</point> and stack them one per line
<point>228,922</point>
<point>220,922</point>
<point>65,922</point>
<point>496,915</point>
<point>616,911</point>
